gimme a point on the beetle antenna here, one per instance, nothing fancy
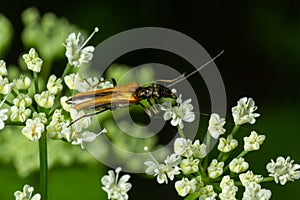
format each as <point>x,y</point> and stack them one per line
<point>180,78</point>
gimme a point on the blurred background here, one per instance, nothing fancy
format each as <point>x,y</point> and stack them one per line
<point>261,42</point>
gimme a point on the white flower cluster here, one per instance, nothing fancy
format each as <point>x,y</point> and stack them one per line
<point>205,177</point>
<point>116,188</point>
<point>26,194</point>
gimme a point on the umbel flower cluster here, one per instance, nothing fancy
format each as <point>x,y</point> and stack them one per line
<point>45,111</point>
<point>199,175</point>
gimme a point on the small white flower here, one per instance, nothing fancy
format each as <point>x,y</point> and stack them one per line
<point>181,112</point>
<point>228,189</point>
<point>215,169</point>
<point>86,136</point>
<point>3,117</point>
<point>71,80</point>
<point>33,61</point>
<point>65,106</point>
<point>189,165</point>
<point>182,147</point>
<point>171,163</point>
<point>238,165</point>
<point>19,114</point>
<point>41,116</point>
<point>26,194</point>
<point>23,82</point>
<point>83,123</point>
<point>22,100</point>
<point>3,70</point>
<point>163,171</point>
<point>199,151</point>
<point>283,170</point>
<point>116,188</point>
<point>244,111</point>
<point>75,50</point>
<point>45,99</point>
<point>253,142</point>
<point>215,126</point>
<point>228,144</point>
<point>33,129</point>
<point>185,186</point>
<point>5,86</point>
<point>249,177</point>
<point>207,193</point>
<point>254,192</point>
<point>54,85</point>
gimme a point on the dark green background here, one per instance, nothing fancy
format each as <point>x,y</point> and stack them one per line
<point>262,44</point>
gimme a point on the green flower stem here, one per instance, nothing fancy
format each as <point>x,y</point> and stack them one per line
<point>43,165</point>
<point>234,130</point>
<point>36,82</point>
<point>208,139</point>
<point>267,179</point>
<point>180,131</point>
<point>66,71</point>
<point>242,154</point>
<point>14,123</point>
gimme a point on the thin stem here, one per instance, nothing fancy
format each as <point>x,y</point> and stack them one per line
<point>267,179</point>
<point>43,165</point>
<point>36,82</point>
<point>234,130</point>
<point>66,71</point>
<point>180,131</point>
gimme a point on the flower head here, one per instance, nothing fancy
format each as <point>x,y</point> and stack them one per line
<point>45,99</point>
<point>181,112</point>
<point>185,186</point>
<point>54,85</point>
<point>116,188</point>
<point>215,126</point>
<point>238,165</point>
<point>163,171</point>
<point>182,147</point>
<point>19,114</point>
<point>26,194</point>
<point>253,142</point>
<point>189,165</point>
<point>22,100</point>
<point>215,169</point>
<point>249,177</point>
<point>244,111</point>
<point>77,138</point>
<point>228,144</point>
<point>33,129</point>
<point>75,50</point>
<point>5,86</point>
<point>228,189</point>
<point>283,170</point>
<point>207,193</point>
<point>3,70</point>
<point>33,61</point>
<point>254,191</point>
<point>23,82</point>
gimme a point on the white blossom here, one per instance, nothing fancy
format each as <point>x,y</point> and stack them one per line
<point>283,170</point>
<point>26,194</point>
<point>3,70</point>
<point>33,129</point>
<point>114,187</point>
<point>238,165</point>
<point>77,138</point>
<point>182,147</point>
<point>33,61</point>
<point>5,86</point>
<point>215,169</point>
<point>3,117</point>
<point>198,150</point>
<point>83,123</point>
<point>22,100</point>
<point>185,186</point>
<point>244,111</point>
<point>249,177</point>
<point>19,114</point>
<point>179,113</point>
<point>75,50</point>
<point>228,189</point>
<point>64,105</point>
<point>254,192</point>
<point>207,193</point>
<point>54,85</point>
<point>215,126</point>
<point>228,144</point>
<point>253,142</point>
<point>189,165</point>
<point>23,82</point>
<point>45,99</point>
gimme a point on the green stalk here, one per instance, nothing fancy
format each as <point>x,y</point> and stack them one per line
<point>180,131</point>
<point>43,166</point>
